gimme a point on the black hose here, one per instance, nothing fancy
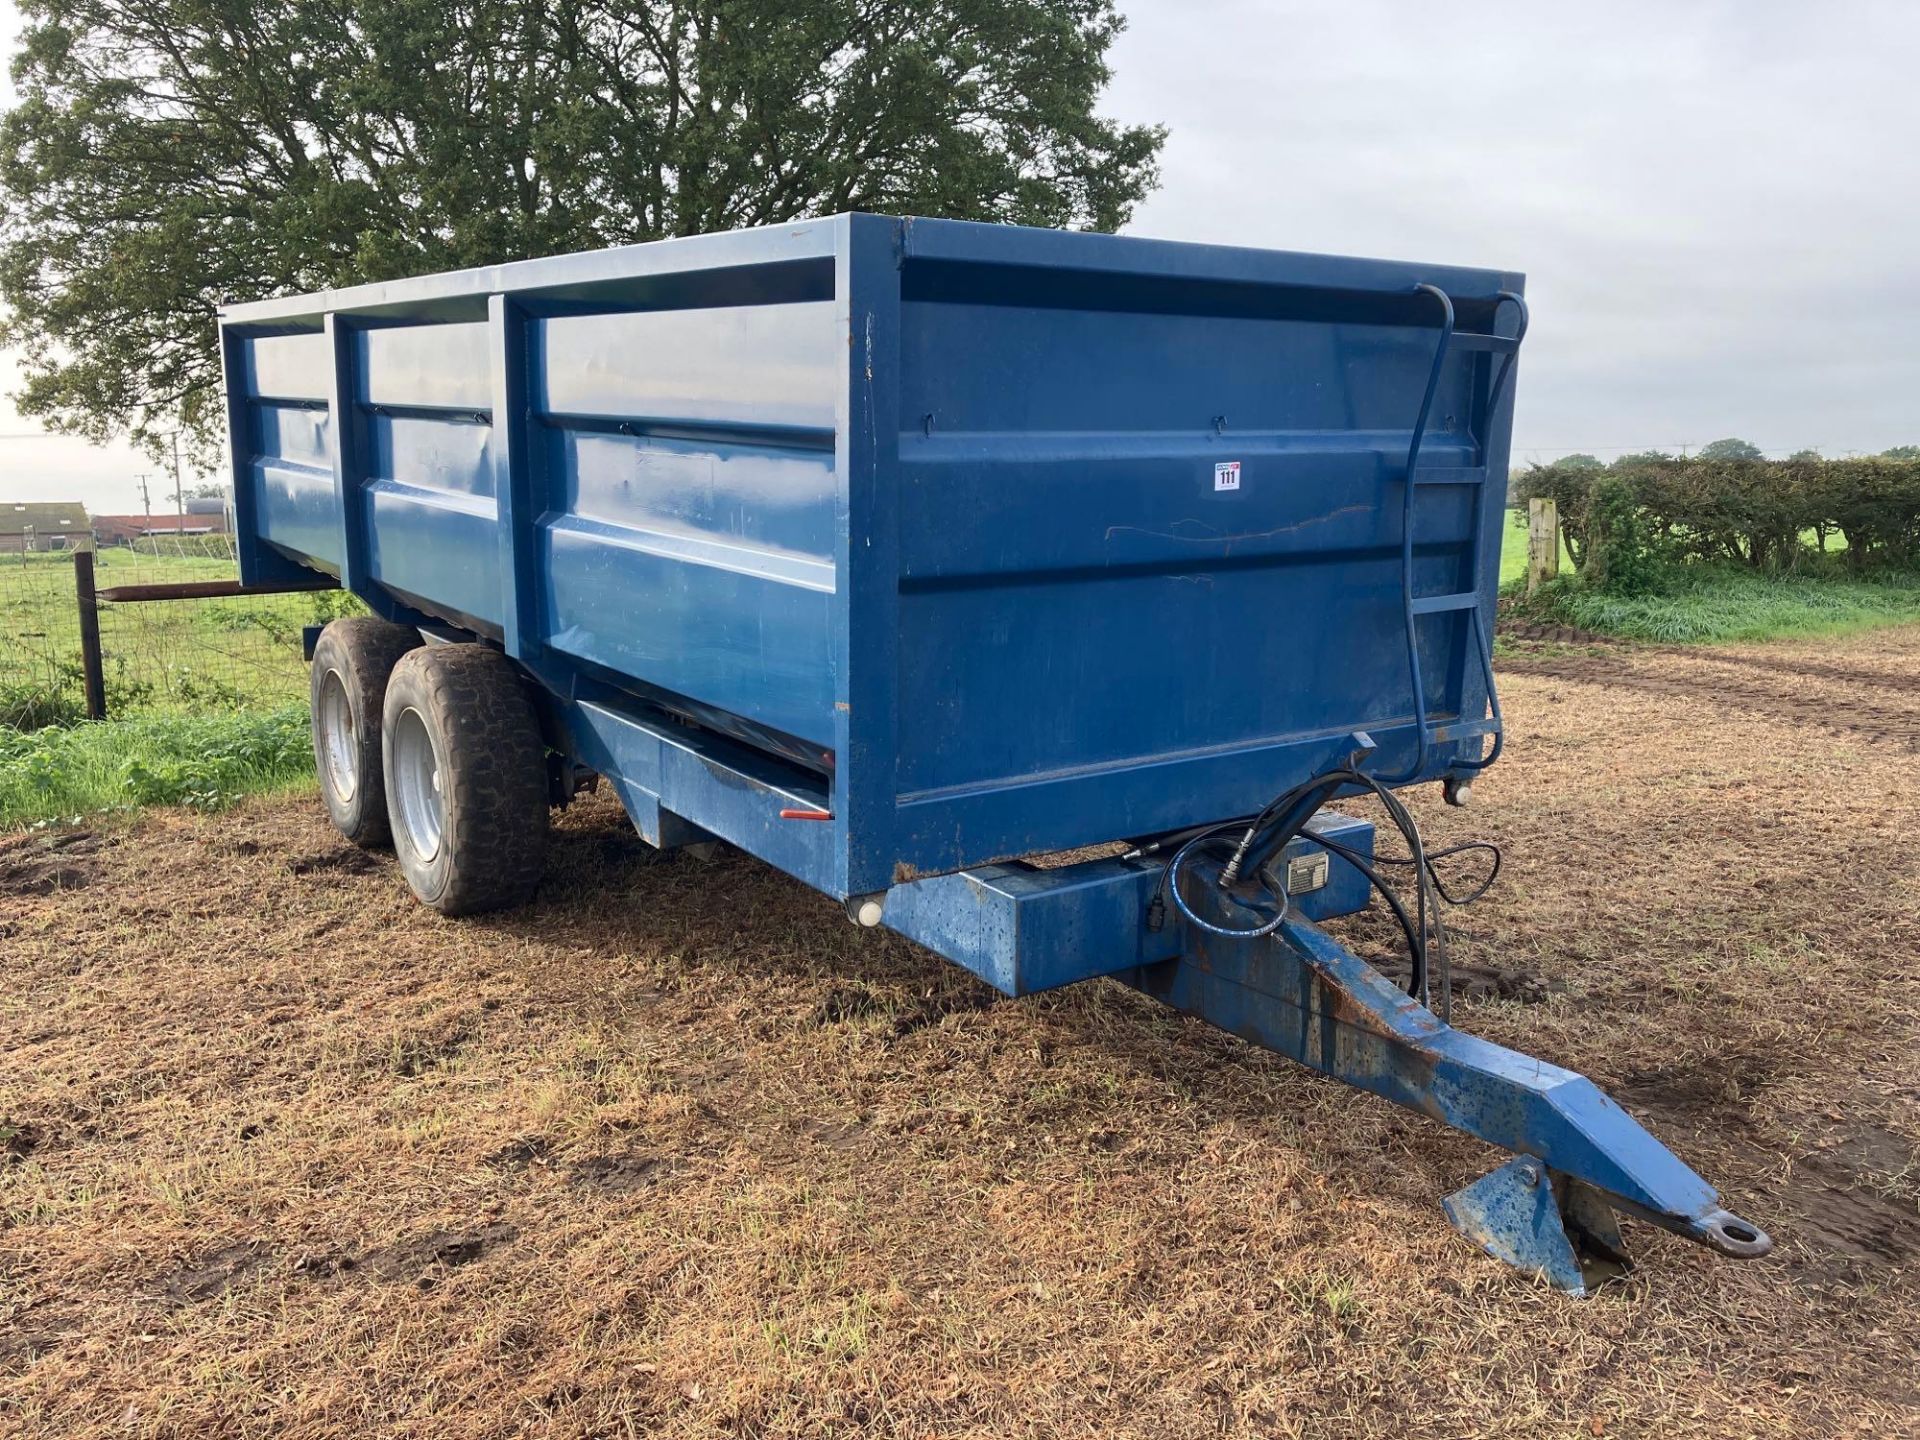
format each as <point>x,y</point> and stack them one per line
<point>1285,817</point>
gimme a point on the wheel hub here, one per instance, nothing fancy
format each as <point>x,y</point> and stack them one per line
<point>416,784</point>
<point>337,758</point>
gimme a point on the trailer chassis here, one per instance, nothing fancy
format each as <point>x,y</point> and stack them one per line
<point>1578,1160</point>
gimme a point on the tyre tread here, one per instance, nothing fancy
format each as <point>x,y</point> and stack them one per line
<point>367,648</point>
<point>493,772</point>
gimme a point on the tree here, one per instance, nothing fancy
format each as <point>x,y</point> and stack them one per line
<point>1805,456</point>
<point>1578,462</point>
<point>1901,452</point>
<point>1731,449</point>
<point>166,155</point>
<point>1641,457</point>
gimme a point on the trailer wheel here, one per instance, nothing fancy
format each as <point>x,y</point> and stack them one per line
<point>466,779</point>
<point>348,684</point>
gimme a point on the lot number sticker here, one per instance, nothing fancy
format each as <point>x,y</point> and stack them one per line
<point>1226,475</point>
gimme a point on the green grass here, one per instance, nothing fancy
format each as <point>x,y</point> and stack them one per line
<point>206,761</point>
<point>1705,604</point>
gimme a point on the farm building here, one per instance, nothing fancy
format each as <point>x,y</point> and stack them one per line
<point>36,527</point>
<point>203,517</point>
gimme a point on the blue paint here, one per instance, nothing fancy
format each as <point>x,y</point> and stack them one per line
<point>1023,929</point>
<point>1524,1214</point>
<point>987,542</point>
<point>1305,996</point>
<point>924,509</point>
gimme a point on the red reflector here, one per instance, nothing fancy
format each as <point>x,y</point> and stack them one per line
<point>806,815</point>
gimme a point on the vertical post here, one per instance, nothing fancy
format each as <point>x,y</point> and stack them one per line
<point>1543,542</point>
<point>92,670</point>
<point>349,497</point>
<point>515,494</point>
<point>866,600</point>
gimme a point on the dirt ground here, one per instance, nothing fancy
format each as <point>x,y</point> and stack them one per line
<point>679,1151</point>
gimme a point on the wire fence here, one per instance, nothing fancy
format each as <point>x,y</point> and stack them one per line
<point>190,656</point>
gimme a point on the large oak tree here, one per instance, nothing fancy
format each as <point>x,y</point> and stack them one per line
<point>166,155</point>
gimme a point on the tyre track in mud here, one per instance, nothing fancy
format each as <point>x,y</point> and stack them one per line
<point>1907,683</point>
<point>1718,679</point>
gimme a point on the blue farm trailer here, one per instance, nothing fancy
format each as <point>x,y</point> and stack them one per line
<point>907,555</point>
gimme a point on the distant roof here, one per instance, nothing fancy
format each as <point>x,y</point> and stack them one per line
<point>154,523</point>
<point>53,517</point>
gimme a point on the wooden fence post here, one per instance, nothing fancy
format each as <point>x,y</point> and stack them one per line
<point>1543,542</point>
<point>93,672</point>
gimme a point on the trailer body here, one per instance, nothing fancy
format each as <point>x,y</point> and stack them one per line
<point>904,553</point>
<point>988,540</point>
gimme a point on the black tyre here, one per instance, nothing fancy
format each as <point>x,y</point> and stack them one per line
<point>466,778</point>
<point>348,687</point>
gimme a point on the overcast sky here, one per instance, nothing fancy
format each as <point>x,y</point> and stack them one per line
<point>1717,205</point>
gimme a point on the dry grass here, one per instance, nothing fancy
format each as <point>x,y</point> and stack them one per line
<point>679,1151</point>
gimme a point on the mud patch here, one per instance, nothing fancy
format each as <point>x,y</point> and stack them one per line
<point>425,1258</point>
<point>32,1331</point>
<point>325,1264</point>
<point>413,1053</point>
<point>522,1153</point>
<point>211,1274</point>
<point>1799,668</point>
<point>1855,1204</point>
<point>347,860</point>
<point>47,872</point>
<point>930,1010</point>
<point>18,1140</point>
<point>1859,1228</point>
<point>1718,1083</point>
<point>619,1174</point>
<point>834,1134</point>
<point>1782,696</point>
<point>1483,982</point>
<point>843,1003</point>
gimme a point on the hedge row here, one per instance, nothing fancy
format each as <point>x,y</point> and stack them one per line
<point>1771,515</point>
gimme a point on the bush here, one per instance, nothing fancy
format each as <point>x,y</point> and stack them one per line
<point>1755,513</point>
<point>1621,555</point>
<point>39,705</point>
<point>59,697</point>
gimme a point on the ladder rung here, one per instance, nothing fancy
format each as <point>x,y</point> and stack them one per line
<point>1447,733</point>
<point>1450,475</point>
<point>1493,344</point>
<point>1436,604</point>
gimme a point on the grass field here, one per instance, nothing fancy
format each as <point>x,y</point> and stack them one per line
<point>166,655</point>
<point>206,698</point>
<point>677,1151</point>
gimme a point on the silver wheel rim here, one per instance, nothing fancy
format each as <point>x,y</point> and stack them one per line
<point>416,783</point>
<point>337,758</point>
